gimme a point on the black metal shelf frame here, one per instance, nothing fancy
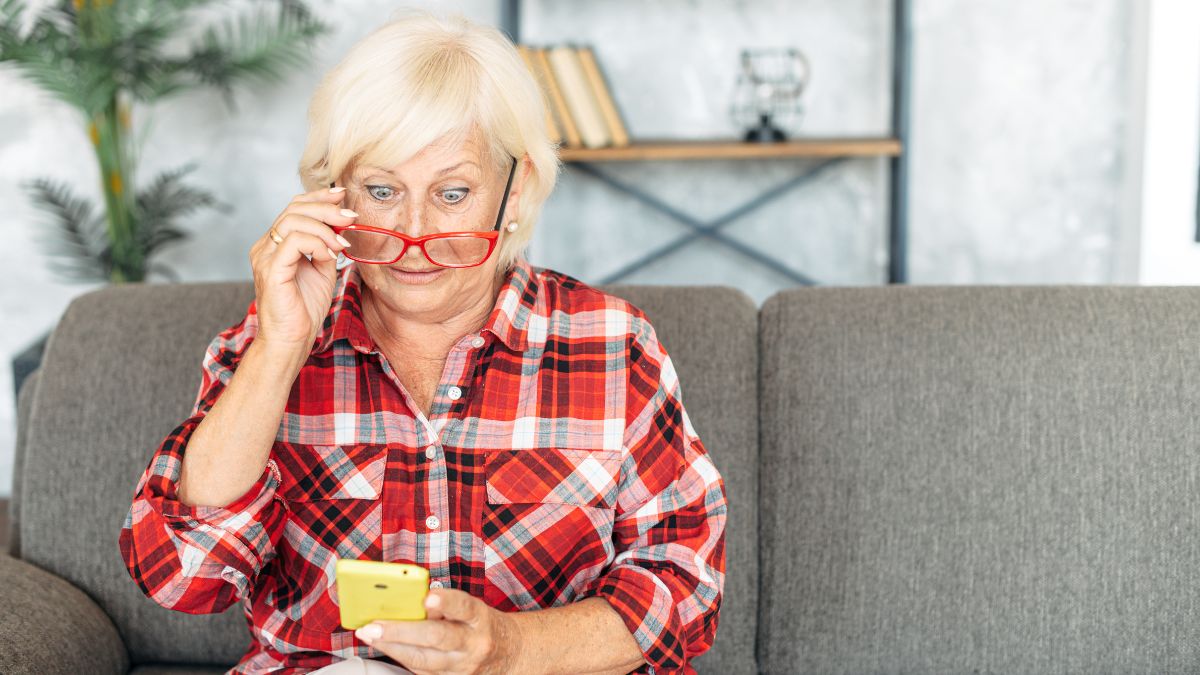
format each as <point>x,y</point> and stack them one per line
<point>897,235</point>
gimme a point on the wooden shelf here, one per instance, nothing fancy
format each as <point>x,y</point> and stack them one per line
<point>734,149</point>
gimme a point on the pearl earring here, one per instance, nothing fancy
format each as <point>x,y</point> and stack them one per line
<point>512,226</point>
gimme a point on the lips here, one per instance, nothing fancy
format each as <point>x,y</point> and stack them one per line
<point>417,277</point>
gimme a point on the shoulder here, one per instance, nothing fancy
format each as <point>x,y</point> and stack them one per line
<point>574,304</point>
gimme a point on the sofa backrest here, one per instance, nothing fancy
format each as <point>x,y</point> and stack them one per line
<point>980,479</point>
<point>122,369</point>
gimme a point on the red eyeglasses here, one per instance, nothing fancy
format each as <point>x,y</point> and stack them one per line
<point>377,246</point>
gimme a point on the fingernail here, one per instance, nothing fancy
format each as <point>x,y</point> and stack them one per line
<point>370,632</point>
<point>349,214</point>
<point>432,601</point>
<point>342,240</point>
<point>337,189</point>
<point>331,253</point>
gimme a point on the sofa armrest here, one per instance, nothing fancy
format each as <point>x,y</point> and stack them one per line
<point>47,625</point>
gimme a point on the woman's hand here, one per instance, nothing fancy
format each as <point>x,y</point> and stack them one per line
<point>294,278</point>
<point>461,634</point>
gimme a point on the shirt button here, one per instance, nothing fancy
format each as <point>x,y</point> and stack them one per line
<point>477,341</point>
<point>454,393</point>
<point>432,522</point>
<point>435,584</point>
<point>430,452</point>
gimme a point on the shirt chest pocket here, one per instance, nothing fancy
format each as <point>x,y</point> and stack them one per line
<point>330,472</point>
<point>332,494</point>
<point>553,476</point>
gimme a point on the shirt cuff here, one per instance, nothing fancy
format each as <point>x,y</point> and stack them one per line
<point>648,609</point>
<point>252,500</point>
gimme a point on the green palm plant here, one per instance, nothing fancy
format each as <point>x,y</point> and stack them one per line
<point>104,56</point>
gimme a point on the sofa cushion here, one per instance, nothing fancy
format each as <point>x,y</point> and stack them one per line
<point>980,479</point>
<point>50,626</point>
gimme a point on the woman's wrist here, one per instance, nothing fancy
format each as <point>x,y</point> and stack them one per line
<point>278,358</point>
<point>585,636</point>
<point>511,643</point>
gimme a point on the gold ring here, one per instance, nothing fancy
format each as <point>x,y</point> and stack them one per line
<point>275,236</point>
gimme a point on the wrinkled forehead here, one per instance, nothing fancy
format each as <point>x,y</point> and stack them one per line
<point>431,163</point>
<point>430,172</point>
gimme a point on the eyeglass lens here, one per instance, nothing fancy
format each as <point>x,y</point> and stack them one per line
<point>381,248</point>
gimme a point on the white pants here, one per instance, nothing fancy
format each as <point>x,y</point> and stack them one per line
<point>356,665</point>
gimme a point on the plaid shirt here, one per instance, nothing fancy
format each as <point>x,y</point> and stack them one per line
<point>557,463</point>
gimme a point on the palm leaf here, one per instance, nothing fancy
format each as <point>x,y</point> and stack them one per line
<point>162,270</point>
<point>53,57</point>
<point>78,246</point>
<point>138,53</point>
<point>253,47</point>
<point>46,56</point>
<point>165,200</point>
<point>11,16</point>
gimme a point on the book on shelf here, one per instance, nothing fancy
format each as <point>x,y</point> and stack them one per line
<point>562,116</point>
<point>580,101</point>
<point>581,112</point>
<point>534,69</point>
<point>608,109</point>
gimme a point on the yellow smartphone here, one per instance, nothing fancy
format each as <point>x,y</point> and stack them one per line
<point>368,590</point>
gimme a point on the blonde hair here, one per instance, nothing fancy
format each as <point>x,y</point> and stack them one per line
<point>422,78</point>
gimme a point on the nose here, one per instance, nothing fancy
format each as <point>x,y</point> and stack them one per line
<point>413,258</point>
<point>416,218</point>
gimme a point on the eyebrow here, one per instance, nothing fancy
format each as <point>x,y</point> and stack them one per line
<point>451,168</point>
<point>439,173</point>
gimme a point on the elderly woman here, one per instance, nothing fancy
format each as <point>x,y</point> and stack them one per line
<point>406,387</point>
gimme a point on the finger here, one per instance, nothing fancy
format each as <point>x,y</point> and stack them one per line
<point>453,604</point>
<point>315,219</point>
<point>443,635</point>
<point>434,613</point>
<point>419,659</point>
<point>322,194</point>
<point>325,214</point>
<point>309,220</point>
<point>294,249</point>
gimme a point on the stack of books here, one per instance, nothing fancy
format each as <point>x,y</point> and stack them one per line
<point>579,107</point>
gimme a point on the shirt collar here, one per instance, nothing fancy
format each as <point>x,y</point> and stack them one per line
<point>519,304</point>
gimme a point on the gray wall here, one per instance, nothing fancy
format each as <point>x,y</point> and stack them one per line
<point>1019,113</point>
<point>1019,123</point>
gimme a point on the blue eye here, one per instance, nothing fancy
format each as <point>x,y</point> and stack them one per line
<point>372,188</point>
<point>463,191</point>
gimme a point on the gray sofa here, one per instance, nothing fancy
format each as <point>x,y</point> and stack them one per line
<point>922,479</point>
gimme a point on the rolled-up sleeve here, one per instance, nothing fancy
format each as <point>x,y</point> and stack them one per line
<point>668,575</point>
<point>200,559</point>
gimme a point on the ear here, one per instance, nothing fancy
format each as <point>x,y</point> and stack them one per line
<point>524,168</point>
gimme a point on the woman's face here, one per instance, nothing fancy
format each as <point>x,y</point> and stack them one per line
<point>439,190</point>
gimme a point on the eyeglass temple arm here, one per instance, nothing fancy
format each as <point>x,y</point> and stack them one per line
<point>504,202</point>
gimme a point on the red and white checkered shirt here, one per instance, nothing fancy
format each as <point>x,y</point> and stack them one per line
<point>557,463</point>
